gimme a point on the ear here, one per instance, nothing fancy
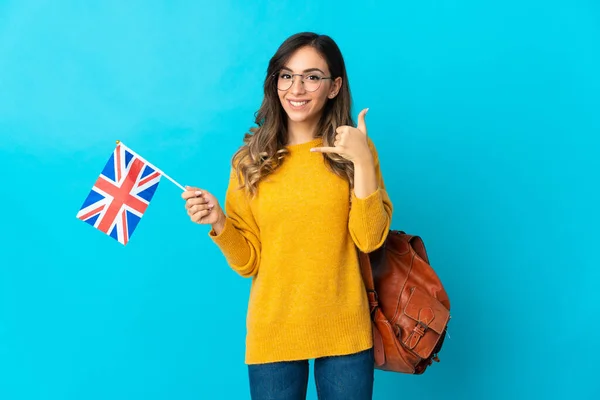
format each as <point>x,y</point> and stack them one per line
<point>335,87</point>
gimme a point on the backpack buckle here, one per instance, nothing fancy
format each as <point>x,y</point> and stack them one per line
<point>417,333</point>
<point>373,301</point>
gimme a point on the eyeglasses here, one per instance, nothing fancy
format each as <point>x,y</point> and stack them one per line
<point>311,82</point>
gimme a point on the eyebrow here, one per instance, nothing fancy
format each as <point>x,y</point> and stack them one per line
<point>306,70</point>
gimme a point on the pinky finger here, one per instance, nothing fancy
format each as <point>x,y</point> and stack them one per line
<point>325,150</point>
<point>197,217</point>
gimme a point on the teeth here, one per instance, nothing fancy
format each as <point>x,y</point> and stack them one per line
<point>298,103</point>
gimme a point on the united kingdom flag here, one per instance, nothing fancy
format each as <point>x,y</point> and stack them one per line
<point>121,195</point>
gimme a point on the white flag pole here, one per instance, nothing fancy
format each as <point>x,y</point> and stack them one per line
<point>152,165</point>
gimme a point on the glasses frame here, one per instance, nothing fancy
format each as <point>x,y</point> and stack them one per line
<point>302,76</point>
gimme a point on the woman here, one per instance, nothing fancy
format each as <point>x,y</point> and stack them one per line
<point>305,192</point>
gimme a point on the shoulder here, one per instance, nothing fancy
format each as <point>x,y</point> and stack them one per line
<point>238,161</point>
<point>371,143</point>
<point>372,147</point>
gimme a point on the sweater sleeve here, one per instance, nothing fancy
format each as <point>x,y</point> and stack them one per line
<point>370,217</point>
<point>239,241</point>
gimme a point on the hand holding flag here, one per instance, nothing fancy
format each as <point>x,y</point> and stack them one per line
<point>203,208</point>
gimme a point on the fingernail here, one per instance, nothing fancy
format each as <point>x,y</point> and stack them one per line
<point>366,111</point>
<point>198,193</point>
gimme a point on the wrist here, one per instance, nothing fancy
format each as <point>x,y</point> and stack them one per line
<point>365,176</point>
<point>220,224</point>
<point>364,161</point>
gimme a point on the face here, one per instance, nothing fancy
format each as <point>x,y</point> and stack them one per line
<point>299,102</point>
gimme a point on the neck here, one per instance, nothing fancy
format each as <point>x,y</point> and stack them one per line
<point>301,132</point>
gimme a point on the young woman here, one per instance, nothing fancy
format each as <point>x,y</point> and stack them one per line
<point>305,193</point>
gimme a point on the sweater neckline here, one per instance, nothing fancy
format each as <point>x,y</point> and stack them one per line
<point>305,145</point>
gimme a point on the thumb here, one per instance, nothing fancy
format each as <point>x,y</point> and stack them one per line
<point>362,126</point>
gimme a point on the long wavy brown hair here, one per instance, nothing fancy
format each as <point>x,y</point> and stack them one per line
<point>264,145</point>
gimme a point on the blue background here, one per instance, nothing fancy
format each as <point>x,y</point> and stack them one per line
<point>486,117</point>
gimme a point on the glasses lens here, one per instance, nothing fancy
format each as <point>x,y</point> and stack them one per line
<point>312,82</point>
<point>284,81</point>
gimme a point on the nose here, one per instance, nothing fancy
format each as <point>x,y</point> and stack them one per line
<point>297,85</point>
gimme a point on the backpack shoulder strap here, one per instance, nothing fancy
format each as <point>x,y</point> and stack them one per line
<point>367,274</point>
<point>365,269</point>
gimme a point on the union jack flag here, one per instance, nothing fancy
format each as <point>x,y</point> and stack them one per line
<point>121,194</point>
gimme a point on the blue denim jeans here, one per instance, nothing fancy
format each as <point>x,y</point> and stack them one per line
<point>348,377</point>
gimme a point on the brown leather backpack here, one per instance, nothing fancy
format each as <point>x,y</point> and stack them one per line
<point>409,307</point>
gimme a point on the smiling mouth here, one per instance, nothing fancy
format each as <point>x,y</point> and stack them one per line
<point>298,103</point>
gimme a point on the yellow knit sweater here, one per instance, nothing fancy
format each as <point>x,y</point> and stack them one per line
<point>297,239</point>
